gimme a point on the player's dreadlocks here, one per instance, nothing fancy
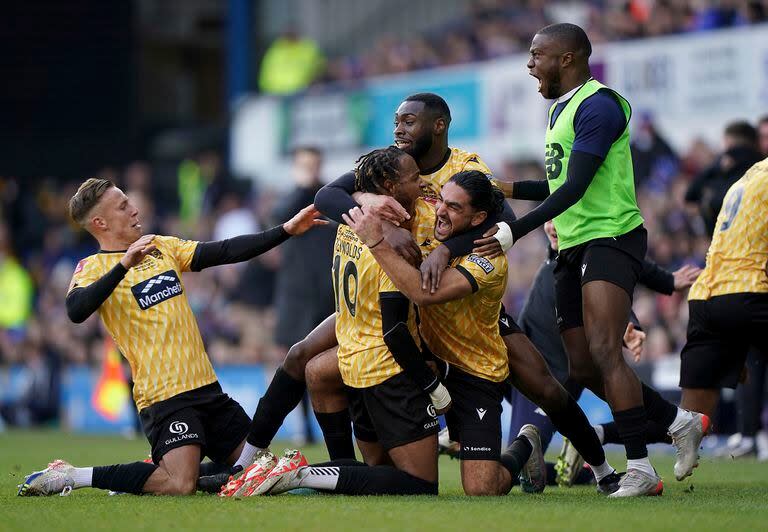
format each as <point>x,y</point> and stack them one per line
<point>373,168</point>
<point>483,196</point>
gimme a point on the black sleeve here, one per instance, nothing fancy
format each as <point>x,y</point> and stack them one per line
<point>633,319</point>
<point>582,168</point>
<point>394,316</point>
<point>464,243</point>
<point>657,278</point>
<point>335,198</point>
<point>236,249</point>
<point>535,190</point>
<point>82,302</point>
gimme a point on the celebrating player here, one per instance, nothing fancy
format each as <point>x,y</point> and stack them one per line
<point>134,282</point>
<point>602,244</point>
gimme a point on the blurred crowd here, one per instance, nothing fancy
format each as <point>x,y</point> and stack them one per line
<point>494,28</point>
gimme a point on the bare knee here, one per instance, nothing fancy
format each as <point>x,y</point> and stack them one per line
<point>296,360</point>
<point>320,376</point>
<point>606,353</point>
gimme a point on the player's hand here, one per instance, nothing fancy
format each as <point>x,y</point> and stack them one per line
<point>685,276</point>
<point>137,251</point>
<point>306,219</point>
<point>433,267</point>
<point>366,224</point>
<point>386,207</point>
<point>495,242</point>
<point>634,340</point>
<point>488,246</point>
<point>401,240</point>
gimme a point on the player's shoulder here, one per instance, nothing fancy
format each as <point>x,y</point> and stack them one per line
<point>467,160</point>
<point>88,263</point>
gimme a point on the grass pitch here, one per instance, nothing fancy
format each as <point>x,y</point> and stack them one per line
<point>723,495</point>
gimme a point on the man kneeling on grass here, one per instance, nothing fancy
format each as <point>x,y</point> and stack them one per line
<point>134,282</point>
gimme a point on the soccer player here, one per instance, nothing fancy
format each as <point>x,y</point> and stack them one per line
<point>134,282</point>
<point>538,321</point>
<point>589,193</point>
<point>459,323</point>
<point>728,304</point>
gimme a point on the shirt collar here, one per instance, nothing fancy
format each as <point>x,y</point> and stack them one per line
<point>568,95</point>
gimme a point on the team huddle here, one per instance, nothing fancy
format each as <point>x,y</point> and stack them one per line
<point>419,330</point>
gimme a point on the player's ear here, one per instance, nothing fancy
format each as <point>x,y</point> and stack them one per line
<point>566,59</point>
<point>478,218</point>
<point>389,186</point>
<point>97,222</point>
<point>439,126</point>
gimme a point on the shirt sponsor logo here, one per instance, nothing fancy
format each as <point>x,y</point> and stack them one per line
<point>157,289</point>
<point>484,263</point>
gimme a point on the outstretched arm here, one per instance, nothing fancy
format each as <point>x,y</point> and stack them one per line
<point>246,247</point>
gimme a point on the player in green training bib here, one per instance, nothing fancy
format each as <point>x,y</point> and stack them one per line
<point>590,194</point>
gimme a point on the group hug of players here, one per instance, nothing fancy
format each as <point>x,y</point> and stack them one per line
<point>419,272</point>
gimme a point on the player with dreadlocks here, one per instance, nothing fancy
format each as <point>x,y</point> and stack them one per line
<point>395,421</point>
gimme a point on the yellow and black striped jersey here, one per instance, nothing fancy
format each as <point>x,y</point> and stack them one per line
<point>458,161</point>
<point>151,321</point>
<point>465,332</point>
<point>737,257</point>
<point>358,280</point>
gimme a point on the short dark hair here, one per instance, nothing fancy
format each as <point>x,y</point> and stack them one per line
<point>572,36</point>
<point>314,150</point>
<point>762,120</point>
<point>86,198</point>
<point>483,195</point>
<point>375,167</point>
<point>743,132</point>
<point>432,103</point>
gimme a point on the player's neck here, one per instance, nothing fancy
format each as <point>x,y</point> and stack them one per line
<point>567,85</point>
<point>434,158</point>
<point>109,243</point>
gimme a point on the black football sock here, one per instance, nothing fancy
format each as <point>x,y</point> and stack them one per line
<point>658,409</point>
<point>516,455</point>
<point>654,433</point>
<point>125,478</point>
<point>337,432</point>
<point>283,395</point>
<point>573,424</point>
<point>631,426</point>
<point>355,480</point>
<point>213,468</point>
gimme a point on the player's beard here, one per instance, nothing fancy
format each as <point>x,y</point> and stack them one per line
<point>553,89</point>
<point>420,147</point>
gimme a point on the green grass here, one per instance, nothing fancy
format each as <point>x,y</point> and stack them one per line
<point>728,495</point>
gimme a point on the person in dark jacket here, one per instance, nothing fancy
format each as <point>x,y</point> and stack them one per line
<point>709,187</point>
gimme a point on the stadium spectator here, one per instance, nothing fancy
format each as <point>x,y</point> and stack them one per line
<point>16,287</point>
<point>762,135</point>
<point>709,187</point>
<point>290,64</point>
